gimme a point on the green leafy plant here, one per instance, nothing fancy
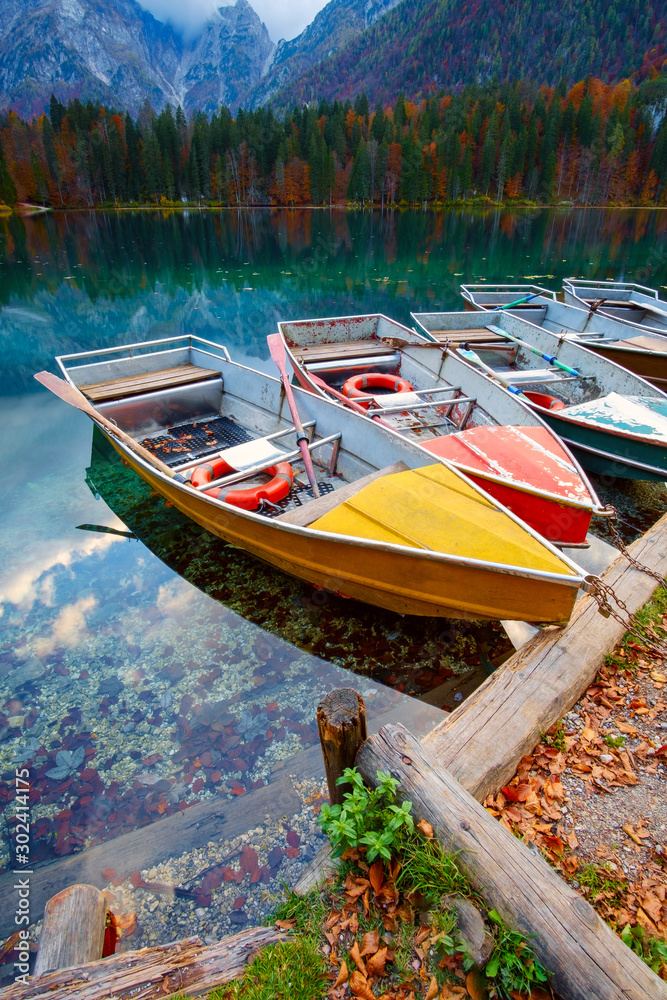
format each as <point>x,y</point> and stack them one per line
<point>513,964</point>
<point>555,738</point>
<point>615,741</point>
<point>651,949</point>
<point>367,818</point>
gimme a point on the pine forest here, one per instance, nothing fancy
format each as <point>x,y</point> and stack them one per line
<point>590,144</point>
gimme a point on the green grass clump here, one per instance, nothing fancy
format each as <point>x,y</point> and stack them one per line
<point>290,970</point>
<point>600,881</point>
<point>427,869</point>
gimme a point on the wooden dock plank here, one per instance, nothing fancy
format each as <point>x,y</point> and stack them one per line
<point>185,967</point>
<point>133,385</point>
<point>483,740</point>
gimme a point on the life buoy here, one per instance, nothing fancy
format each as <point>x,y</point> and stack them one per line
<point>545,401</point>
<point>358,385</point>
<point>249,499</point>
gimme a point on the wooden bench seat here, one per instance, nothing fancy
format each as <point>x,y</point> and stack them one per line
<point>346,349</point>
<point>134,385</point>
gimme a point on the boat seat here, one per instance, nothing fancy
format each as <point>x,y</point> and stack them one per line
<point>135,385</point>
<point>346,349</point>
<point>259,452</point>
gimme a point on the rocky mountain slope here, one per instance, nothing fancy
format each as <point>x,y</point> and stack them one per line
<point>422,45</point>
<point>334,27</point>
<point>118,53</point>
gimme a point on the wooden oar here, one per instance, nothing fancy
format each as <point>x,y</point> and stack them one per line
<point>551,358</point>
<point>70,394</point>
<point>519,302</point>
<point>277,350</point>
<point>476,360</point>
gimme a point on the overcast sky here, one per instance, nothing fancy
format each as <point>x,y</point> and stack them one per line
<point>283,19</point>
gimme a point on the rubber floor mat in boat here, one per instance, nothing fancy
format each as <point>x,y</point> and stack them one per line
<point>297,497</point>
<point>197,439</point>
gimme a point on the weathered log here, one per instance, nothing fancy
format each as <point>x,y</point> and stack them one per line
<point>73,930</point>
<point>482,741</point>
<point>587,959</point>
<point>186,967</point>
<point>341,722</point>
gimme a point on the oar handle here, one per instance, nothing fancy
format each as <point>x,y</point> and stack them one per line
<point>519,302</point>
<point>551,358</point>
<point>70,394</point>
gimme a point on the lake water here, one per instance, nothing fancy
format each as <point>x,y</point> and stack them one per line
<point>153,670</point>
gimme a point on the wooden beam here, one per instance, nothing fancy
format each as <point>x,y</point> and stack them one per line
<point>483,740</point>
<point>73,931</point>
<point>586,958</point>
<point>182,968</point>
<point>341,723</point>
<point>315,509</point>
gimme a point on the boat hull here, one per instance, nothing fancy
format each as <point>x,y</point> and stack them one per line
<point>649,364</point>
<point>384,576</point>
<point>611,454</point>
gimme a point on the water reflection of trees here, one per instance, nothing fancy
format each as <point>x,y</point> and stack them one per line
<point>91,273</point>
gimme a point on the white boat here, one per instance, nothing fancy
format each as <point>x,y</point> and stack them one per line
<point>623,300</point>
<point>614,421</point>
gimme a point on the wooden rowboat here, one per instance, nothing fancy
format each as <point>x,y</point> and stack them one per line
<point>614,421</point>
<point>640,349</point>
<point>635,304</point>
<point>454,412</point>
<point>390,528</point>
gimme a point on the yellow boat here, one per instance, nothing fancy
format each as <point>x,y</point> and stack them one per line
<point>389,528</point>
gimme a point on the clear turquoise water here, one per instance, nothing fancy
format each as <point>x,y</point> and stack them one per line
<point>116,646</point>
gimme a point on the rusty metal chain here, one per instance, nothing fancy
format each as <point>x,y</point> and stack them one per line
<point>603,594</point>
<point>621,546</point>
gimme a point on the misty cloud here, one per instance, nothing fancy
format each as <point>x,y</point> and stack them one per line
<point>284,20</point>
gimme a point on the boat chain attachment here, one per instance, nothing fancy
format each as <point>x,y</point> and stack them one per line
<point>606,597</point>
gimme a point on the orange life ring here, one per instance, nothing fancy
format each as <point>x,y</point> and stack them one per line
<point>545,401</point>
<point>249,499</point>
<point>358,385</point>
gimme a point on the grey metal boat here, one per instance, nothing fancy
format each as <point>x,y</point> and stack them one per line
<point>614,421</point>
<point>639,349</point>
<point>624,300</point>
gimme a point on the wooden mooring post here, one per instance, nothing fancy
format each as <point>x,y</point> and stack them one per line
<point>341,722</point>
<point>73,929</point>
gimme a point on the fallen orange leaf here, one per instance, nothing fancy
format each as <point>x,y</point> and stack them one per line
<point>376,962</point>
<point>370,943</point>
<point>342,974</point>
<point>355,955</point>
<point>126,924</point>
<point>376,875</point>
<point>360,987</point>
<point>285,925</point>
<point>476,985</point>
<point>425,828</point>
<point>432,990</point>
